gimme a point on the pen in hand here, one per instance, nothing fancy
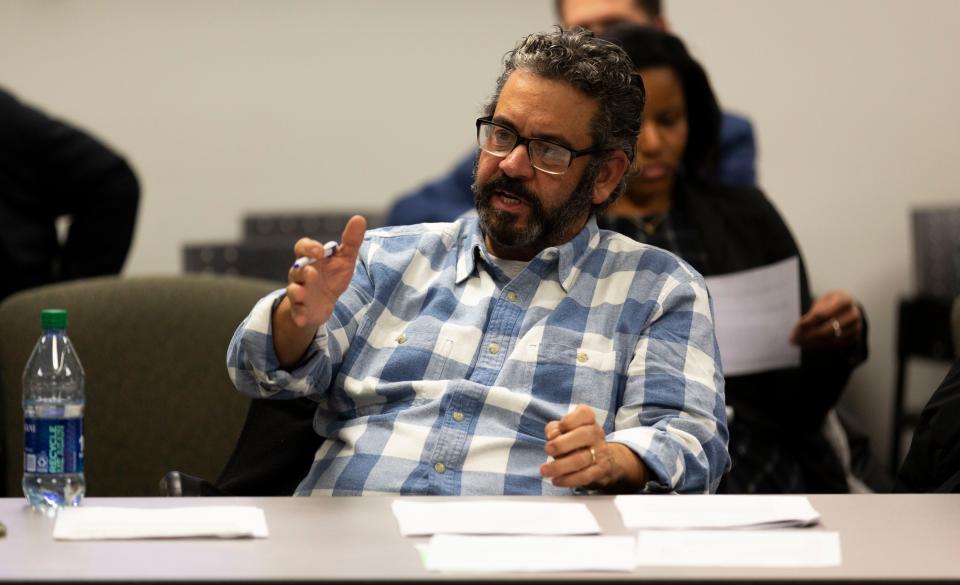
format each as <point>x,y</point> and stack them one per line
<point>329,249</point>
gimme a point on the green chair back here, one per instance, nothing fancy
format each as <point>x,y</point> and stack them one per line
<point>157,392</point>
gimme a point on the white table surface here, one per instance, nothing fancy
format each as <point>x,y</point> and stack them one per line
<point>886,538</point>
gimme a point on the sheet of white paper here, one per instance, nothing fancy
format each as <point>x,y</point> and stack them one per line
<point>696,511</point>
<point>722,548</point>
<point>493,517</point>
<point>754,312</point>
<point>447,552</point>
<point>103,523</point>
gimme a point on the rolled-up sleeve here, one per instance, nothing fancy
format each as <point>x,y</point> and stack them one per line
<point>252,361</point>
<point>673,414</point>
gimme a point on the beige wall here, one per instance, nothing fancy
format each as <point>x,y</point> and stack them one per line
<point>855,107</point>
<point>230,107</point>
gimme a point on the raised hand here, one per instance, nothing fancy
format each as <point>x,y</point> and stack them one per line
<point>313,290</point>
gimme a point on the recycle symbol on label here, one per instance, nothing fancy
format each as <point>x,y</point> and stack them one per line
<point>41,463</point>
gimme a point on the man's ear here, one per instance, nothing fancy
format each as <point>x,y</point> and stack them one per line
<point>611,171</point>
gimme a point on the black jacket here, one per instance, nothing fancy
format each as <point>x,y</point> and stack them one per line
<point>778,414</point>
<point>933,463</point>
<point>47,170</point>
<point>741,230</point>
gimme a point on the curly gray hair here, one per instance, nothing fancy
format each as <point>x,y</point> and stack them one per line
<point>597,68</point>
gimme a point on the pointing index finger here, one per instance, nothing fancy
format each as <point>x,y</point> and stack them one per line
<point>353,235</point>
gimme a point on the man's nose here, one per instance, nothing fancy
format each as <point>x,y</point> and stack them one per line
<point>517,163</point>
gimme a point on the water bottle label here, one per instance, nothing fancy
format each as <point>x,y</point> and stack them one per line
<point>53,445</point>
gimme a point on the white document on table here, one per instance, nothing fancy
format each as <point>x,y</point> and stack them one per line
<point>723,548</point>
<point>112,523</point>
<point>455,553</point>
<point>493,517</point>
<point>712,511</point>
<point>754,312</point>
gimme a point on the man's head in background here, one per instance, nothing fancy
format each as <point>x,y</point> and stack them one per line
<point>596,15</point>
<point>556,141</point>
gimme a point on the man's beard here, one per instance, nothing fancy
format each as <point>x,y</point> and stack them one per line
<point>544,228</point>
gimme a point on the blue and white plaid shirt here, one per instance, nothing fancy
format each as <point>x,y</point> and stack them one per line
<point>436,373</point>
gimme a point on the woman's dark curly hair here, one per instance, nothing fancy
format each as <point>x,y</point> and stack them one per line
<point>649,47</point>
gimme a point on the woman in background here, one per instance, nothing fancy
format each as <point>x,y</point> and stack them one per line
<point>777,443</point>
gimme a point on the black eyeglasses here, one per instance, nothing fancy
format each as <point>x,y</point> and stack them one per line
<point>549,157</point>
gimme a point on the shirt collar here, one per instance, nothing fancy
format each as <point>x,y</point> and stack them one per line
<point>566,256</point>
<point>471,244</point>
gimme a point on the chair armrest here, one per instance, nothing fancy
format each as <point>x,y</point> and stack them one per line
<point>177,484</point>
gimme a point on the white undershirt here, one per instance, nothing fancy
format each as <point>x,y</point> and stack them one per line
<point>510,267</point>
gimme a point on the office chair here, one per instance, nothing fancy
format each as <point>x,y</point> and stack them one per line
<point>153,350</point>
<point>933,462</point>
<point>274,452</point>
<point>266,250</point>
<point>955,325</point>
<point>923,326</point>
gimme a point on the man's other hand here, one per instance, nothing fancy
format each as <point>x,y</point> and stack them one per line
<point>582,457</point>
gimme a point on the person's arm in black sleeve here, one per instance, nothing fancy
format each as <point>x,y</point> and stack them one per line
<point>805,396</point>
<point>74,174</point>
<point>933,462</point>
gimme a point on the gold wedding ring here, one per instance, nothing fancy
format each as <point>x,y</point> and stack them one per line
<point>593,456</point>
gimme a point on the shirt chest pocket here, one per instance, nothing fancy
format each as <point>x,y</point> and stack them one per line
<point>412,353</point>
<point>379,369</point>
<point>559,375</point>
<point>566,374</point>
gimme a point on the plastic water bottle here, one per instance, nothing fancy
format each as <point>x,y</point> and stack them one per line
<point>53,402</point>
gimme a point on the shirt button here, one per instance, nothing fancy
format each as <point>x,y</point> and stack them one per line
<point>582,357</point>
<point>494,348</point>
<point>512,297</point>
<point>439,467</point>
<point>458,416</point>
<point>401,338</point>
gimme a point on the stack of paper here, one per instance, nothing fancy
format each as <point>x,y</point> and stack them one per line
<point>102,523</point>
<point>650,511</point>
<point>493,517</point>
<point>547,536</point>
<point>687,545</point>
<point>723,548</point>
<point>448,552</point>
<point>540,536</point>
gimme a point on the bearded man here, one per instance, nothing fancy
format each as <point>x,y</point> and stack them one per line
<point>523,351</point>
